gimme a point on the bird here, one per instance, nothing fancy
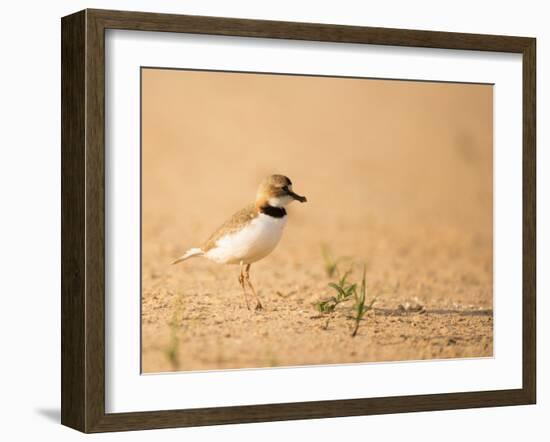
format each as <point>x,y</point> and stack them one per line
<point>252,233</point>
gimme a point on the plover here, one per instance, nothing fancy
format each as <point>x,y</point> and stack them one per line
<point>252,233</point>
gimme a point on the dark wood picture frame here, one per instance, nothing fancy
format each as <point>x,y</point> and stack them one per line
<point>83,220</point>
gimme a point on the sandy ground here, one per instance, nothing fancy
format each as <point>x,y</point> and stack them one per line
<point>398,176</point>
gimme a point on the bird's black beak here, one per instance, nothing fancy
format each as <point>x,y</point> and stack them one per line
<point>297,197</point>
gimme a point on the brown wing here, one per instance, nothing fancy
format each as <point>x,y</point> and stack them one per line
<point>238,220</point>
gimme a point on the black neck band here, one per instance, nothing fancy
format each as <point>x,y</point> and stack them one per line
<point>275,212</point>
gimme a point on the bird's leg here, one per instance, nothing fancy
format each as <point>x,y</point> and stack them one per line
<point>241,282</point>
<point>247,279</point>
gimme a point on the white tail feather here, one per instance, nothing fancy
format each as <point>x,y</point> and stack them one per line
<point>195,251</point>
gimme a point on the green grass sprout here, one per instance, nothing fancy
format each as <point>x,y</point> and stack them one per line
<point>330,262</point>
<point>344,292</point>
<point>360,299</point>
<point>172,350</point>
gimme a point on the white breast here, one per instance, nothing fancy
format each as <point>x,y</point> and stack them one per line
<point>252,243</point>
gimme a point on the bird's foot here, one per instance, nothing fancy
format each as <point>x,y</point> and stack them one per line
<point>259,306</point>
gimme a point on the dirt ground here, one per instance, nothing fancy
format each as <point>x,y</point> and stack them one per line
<point>398,176</point>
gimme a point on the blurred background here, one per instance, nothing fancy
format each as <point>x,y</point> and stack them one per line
<point>395,153</point>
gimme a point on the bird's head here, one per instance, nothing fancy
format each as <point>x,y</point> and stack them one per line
<point>276,191</point>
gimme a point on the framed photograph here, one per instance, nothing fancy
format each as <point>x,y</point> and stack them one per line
<point>269,220</point>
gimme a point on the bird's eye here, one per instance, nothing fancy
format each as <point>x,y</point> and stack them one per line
<point>285,188</point>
